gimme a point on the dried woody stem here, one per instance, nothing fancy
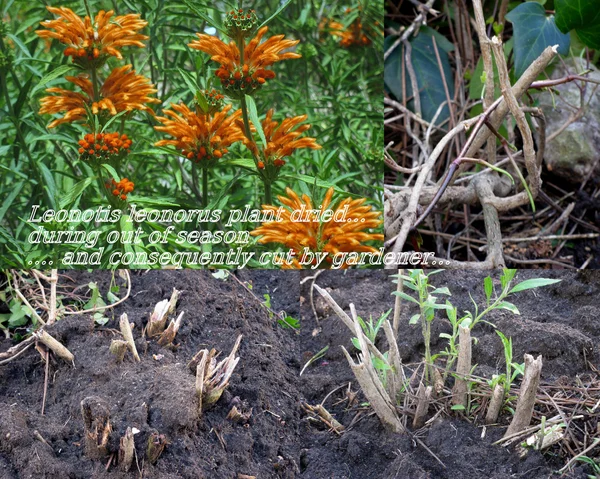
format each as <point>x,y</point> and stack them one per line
<point>488,68</point>
<point>96,423</point>
<point>126,450</point>
<point>168,334</point>
<point>527,395</point>
<point>402,207</point>
<point>162,311</point>
<point>128,335</point>
<point>382,401</point>
<point>495,406</point>
<point>211,377</point>
<point>463,368</point>
<point>54,345</point>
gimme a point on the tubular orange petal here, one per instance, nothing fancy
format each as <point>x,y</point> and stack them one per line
<point>338,234</point>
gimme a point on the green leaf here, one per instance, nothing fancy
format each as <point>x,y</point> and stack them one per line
<point>277,12</point>
<point>203,16</point>
<point>507,276</point>
<point>311,180</point>
<point>189,81</point>
<point>53,75</point>
<point>533,32</point>
<point>583,16</point>
<point>254,119</point>
<point>414,319</point>
<point>451,312</point>
<point>112,172</point>
<point>506,305</point>
<point>379,364</point>
<point>405,296</point>
<point>489,288</point>
<point>443,290</point>
<point>533,283</point>
<point>289,322</point>
<point>50,184</point>
<point>427,72</point>
<point>74,193</point>
<point>202,103</point>
<point>112,119</point>
<point>458,407</point>
<point>15,190</point>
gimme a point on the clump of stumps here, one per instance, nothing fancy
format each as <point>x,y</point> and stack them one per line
<point>399,394</point>
<point>156,328</point>
<point>212,377</point>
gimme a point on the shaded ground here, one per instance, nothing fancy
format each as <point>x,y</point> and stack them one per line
<point>560,322</point>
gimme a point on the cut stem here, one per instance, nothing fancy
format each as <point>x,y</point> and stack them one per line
<point>128,335</point>
<point>527,395</point>
<point>54,345</point>
<point>463,368</point>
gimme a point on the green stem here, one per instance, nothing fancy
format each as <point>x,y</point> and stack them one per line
<point>88,10</point>
<point>491,307</point>
<point>204,186</point>
<point>268,195</point>
<point>95,83</point>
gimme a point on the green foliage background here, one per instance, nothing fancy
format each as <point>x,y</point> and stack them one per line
<point>339,89</point>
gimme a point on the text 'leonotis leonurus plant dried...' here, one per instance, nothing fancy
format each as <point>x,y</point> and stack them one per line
<point>346,229</point>
<point>99,95</point>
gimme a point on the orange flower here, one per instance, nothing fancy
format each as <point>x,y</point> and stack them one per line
<point>123,90</point>
<point>342,231</point>
<point>354,35</point>
<point>120,189</point>
<point>243,77</point>
<point>200,137</point>
<point>87,42</point>
<point>282,139</point>
<point>104,147</point>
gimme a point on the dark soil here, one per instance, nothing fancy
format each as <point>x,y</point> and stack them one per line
<point>561,322</point>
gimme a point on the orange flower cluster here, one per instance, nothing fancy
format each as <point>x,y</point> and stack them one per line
<point>239,77</point>
<point>121,188</point>
<point>351,36</point>
<point>123,90</point>
<point>214,101</point>
<point>347,234</point>
<point>104,146</point>
<point>201,138</point>
<point>282,139</point>
<point>91,43</point>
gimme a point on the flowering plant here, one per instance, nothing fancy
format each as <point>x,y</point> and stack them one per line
<point>180,105</point>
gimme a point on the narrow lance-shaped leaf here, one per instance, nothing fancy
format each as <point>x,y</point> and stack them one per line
<point>533,283</point>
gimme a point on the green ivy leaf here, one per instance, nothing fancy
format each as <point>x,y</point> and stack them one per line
<point>533,32</point>
<point>427,71</point>
<point>583,16</point>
